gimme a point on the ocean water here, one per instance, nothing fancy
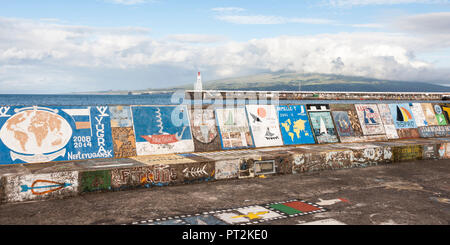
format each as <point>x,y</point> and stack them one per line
<point>148,99</point>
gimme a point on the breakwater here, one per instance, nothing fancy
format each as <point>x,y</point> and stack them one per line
<point>55,151</point>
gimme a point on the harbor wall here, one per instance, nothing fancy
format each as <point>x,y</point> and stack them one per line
<point>35,134</point>
<point>57,152</point>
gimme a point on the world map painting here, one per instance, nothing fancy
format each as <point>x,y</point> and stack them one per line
<point>294,125</point>
<point>42,134</point>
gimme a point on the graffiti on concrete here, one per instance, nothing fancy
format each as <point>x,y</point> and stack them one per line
<point>95,180</point>
<point>227,169</point>
<point>41,186</point>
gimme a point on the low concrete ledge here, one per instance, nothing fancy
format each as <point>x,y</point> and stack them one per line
<point>30,182</point>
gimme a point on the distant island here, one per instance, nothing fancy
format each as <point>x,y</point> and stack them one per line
<point>300,81</point>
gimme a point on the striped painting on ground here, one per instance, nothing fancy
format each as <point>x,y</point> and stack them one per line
<point>404,121</point>
<point>347,123</point>
<point>294,125</point>
<point>322,123</point>
<point>204,129</point>
<point>162,130</point>
<point>241,216</point>
<point>264,125</point>
<point>42,134</point>
<point>233,128</point>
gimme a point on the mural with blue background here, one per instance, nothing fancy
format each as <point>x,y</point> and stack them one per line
<point>57,133</point>
<point>294,125</point>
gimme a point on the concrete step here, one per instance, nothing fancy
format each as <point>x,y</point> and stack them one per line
<point>53,180</point>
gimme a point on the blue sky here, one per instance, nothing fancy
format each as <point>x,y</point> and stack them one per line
<point>87,45</point>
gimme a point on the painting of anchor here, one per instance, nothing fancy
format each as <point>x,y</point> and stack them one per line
<point>204,129</point>
<point>264,125</point>
<point>162,130</point>
<point>323,127</point>
<point>233,128</point>
<point>42,134</point>
<point>295,126</point>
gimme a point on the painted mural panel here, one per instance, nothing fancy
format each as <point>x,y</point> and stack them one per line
<point>388,122</point>
<point>402,115</point>
<point>440,117</point>
<point>41,186</point>
<point>264,125</point>
<point>204,129</point>
<point>428,112</point>
<point>162,130</point>
<point>121,116</point>
<point>446,110</point>
<point>418,114</point>
<point>369,118</point>
<point>124,142</point>
<point>323,127</point>
<point>42,134</point>
<point>343,124</point>
<point>233,128</point>
<point>356,130</point>
<point>295,126</point>
<point>227,169</point>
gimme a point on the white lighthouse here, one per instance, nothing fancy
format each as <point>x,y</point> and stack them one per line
<point>198,85</point>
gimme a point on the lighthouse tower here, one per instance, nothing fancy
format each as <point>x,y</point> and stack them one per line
<point>198,85</point>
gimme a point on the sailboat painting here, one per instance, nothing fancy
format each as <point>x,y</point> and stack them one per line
<point>162,130</point>
<point>370,120</point>
<point>264,125</point>
<point>403,116</point>
<point>204,129</point>
<point>233,128</point>
<point>323,127</point>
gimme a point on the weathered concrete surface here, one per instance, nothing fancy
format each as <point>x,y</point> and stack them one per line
<point>416,192</point>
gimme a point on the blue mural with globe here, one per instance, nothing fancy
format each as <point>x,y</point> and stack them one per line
<point>31,134</point>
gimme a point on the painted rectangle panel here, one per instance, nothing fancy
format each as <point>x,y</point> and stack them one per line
<point>440,117</point>
<point>43,134</point>
<point>227,169</point>
<point>162,130</point>
<point>419,117</point>
<point>294,125</point>
<point>204,129</point>
<point>388,122</point>
<point>233,128</point>
<point>264,125</point>
<point>429,114</point>
<point>343,124</point>
<point>402,116</point>
<point>369,118</point>
<point>121,116</point>
<point>124,142</point>
<point>446,110</point>
<point>323,127</point>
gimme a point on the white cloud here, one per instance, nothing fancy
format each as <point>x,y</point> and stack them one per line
<point>269,20</point>
<point>425,23</point>
<point>196,38</point>
<point>368,25</point>
<point>38,55</point>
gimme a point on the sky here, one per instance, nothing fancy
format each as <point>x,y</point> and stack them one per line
<point>52,46</point>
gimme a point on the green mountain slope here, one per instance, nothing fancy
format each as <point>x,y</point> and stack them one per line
<point>317,82</point>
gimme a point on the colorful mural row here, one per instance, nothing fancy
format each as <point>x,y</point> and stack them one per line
<point>64,133</point>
